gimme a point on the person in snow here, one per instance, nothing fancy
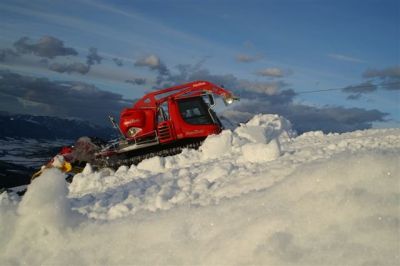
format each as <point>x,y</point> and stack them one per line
<point>69,159</point>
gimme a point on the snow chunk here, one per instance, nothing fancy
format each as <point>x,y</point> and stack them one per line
<point>255,134</point>
<point>88,180</point>
<point>214,172</point>
<point>154,164</point>
<point>87,170</point>
<point>122,170</point>
<point>257,152</point>
<point>269,120</point>
<point>263,128</point>
<point>117,211</point>
<point>58,161</point>
<point>318,134</point>
<point>217,145</point>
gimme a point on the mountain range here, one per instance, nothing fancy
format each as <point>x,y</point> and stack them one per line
<point>46,127</point>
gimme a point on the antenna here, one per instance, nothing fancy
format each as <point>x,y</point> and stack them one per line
<point>355,87</point>
<point>115,125</point>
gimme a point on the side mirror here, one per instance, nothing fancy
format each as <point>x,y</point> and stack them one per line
<point>211,99</point>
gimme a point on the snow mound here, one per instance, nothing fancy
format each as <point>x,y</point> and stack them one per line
<point>256,141</point>
<point>40,219</point>
<point>314,216</point>
<point>264,128</point>
<point>45,201</point>
<point>266,198</point>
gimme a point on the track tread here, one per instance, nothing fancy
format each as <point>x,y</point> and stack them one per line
<point>117,161</point>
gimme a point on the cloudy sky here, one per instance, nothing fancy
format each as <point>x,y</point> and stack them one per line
<point>330,65</point>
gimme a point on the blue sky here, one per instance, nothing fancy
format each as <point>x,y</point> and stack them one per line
<point>282,45</point>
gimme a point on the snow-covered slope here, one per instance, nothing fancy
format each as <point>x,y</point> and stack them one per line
<point>257,196</point>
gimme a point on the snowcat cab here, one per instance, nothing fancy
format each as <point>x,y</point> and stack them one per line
<point>174,117</point>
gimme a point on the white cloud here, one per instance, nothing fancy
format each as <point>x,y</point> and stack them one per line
<point>271,72</point>
<point>386,73</point>
<point>151,61</point>
<point>346,58</point>
<point>268,88</point>
<point>243,58</point>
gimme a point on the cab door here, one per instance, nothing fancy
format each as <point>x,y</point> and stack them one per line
<point>165,129</point>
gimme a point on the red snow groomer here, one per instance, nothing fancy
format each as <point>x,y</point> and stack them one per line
<point>164,122</point>
<point>161,123</point>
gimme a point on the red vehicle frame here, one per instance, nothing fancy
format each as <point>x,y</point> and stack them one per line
<point>142,122</point>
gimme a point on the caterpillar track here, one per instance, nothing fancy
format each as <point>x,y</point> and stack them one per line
<point>137,156</point>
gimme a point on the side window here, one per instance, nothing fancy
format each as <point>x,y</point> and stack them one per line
<point>163,113</point>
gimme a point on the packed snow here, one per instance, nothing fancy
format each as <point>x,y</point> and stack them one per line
<point>257,195</point>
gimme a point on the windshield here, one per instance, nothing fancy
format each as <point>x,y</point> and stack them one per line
<point>194,111</point>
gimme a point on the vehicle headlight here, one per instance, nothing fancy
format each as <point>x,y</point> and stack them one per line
<point>229,100</point>
<point>133,131</point>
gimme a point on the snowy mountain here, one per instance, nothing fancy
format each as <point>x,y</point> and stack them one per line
<point>258,195</point>
<point>46,127</point>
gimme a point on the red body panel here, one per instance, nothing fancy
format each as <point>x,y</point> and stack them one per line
<point>138,118</point>
<point>132,118</point>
